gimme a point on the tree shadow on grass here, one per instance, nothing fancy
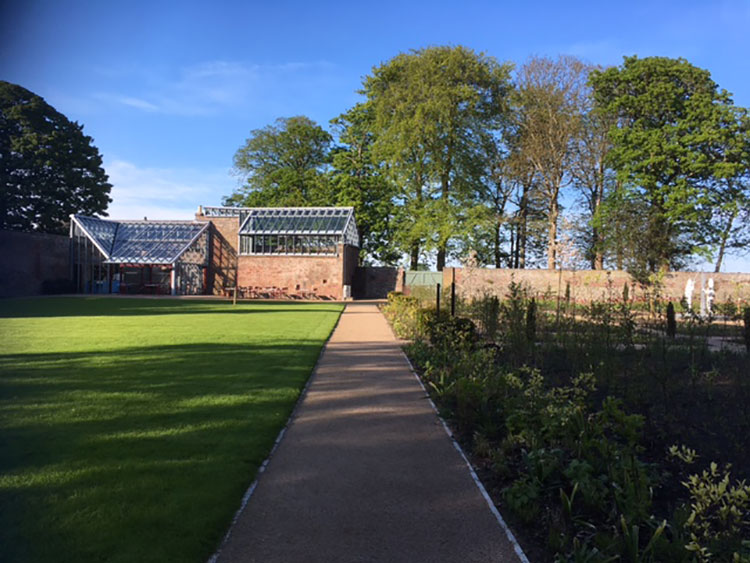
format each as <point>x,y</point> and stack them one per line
<point>142,455</point>
<point>112,306</point>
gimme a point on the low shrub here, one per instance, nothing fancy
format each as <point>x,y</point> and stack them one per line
<point>405,314</point>
<point>719,520</point>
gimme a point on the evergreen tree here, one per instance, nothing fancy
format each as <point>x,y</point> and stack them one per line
<point>48,168</point>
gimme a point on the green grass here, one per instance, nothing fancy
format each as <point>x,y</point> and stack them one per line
<point>130,428</point>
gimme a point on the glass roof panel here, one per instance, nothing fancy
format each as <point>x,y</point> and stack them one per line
<point>100,230</point>
<point>142,242</point>
<point>308,220</point>
<point>153,242</point>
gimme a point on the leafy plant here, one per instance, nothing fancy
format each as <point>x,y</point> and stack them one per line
<point>719,521</point>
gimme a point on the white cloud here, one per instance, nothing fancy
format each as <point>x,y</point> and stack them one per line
<point>211,87</point>
<point>163,193</point>
<point>132,102</point>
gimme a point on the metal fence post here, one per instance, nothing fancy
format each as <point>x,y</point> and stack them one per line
<point>453,292</point>
<point>437,300</point>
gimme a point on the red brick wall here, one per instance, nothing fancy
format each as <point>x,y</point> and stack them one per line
<point>222,271</point>
<point>587,285</point>
<point>228,227</point>
<point>322,275</point>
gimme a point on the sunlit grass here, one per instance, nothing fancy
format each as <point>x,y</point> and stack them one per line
<point>130,428</point>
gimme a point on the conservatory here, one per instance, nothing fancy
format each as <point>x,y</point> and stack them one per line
<point>158,257</point>
<point>307,252</point>
<point>290,230</point>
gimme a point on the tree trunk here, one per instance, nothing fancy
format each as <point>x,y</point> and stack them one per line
<point>445,189</point>
<point>498,258</point>
<point>599,261</point>
<point>414,256</point>
<point>441,258</point>
<point>523,229</point>
<point>724,239</point>
<point>552,235</point>
<point>596,242</point>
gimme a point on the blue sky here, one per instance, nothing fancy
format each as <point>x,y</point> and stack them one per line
<point>170,90</point>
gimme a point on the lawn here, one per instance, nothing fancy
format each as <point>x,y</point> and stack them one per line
<point>130,428</point>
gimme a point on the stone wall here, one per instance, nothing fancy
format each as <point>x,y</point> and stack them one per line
<point>34,263</point>
<point>587,285</point>
<point>372,282</point>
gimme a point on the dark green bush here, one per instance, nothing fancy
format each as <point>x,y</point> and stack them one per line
<point>452,332</point>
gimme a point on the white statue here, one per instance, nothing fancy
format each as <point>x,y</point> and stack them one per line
<point>710,296</point>
<point>689,288</point>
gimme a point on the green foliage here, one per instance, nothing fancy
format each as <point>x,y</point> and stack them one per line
<point>683,453</point>
<point>405,314</point>
<point>513,313</point>
<point>531,322</point>
<point>572,457</point>
<point>719,520</point>
<point>445,331</point>
<point>48,168</point>
<point>671,141</point>
<point>283,165</point>
<point>549,100</point>
<point>435,113</point>
<point>359,180</point>
<point>486,311</point>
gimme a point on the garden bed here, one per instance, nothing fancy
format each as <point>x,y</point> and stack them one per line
<point>597,430</point>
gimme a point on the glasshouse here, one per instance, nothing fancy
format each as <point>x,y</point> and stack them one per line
<point>300,252</point>
<point>159,257</point>
<point>288,252</point>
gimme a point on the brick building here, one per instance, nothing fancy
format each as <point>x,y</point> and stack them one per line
<point>304,252</point>
<point>287,251</point>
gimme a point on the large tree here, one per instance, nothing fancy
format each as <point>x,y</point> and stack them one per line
<point>433,112</point>
<point>360,181</point>
<point>729,228</point>
<point>549,102</point>
<point>592,178</point>
<point>48,168</point>
<point>283,164</point>
<point>669,148</point>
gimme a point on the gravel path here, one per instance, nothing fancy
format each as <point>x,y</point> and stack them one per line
<point>365,471</point>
